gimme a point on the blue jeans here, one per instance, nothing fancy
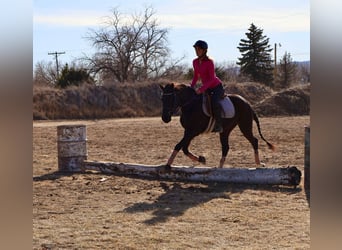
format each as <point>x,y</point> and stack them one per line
<point>217,94</point>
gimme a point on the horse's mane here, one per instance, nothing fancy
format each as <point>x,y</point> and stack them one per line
<point>179,86</point>
<point>183,88</point>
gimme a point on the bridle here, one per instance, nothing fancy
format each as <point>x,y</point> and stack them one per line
<point>175,103</point>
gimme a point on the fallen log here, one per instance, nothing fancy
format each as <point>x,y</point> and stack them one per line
<point>270,176</point>
<point>72,157</point>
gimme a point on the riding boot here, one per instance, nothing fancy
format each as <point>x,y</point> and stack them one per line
<point>218,120</point>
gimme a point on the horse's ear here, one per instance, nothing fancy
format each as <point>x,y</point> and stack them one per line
<point>161,87</point>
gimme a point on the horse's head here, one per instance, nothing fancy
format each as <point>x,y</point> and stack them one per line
<point>174,97</point>
<point>170,103</point>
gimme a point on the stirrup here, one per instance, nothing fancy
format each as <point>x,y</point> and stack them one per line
<point>218,128</point>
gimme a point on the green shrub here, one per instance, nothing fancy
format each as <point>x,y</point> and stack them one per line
<point>73,76</point>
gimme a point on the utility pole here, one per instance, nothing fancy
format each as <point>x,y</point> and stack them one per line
<point>56,54</point>
<point>275,60</point>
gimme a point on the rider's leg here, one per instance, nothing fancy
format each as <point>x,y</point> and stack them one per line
<point>218,119</point>
<point>218,93</point>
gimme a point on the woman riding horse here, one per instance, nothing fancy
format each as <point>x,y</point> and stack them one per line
<point>204,69</point>
<point>195,121</point>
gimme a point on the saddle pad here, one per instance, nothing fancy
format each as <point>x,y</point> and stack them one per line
<point>228,110</point>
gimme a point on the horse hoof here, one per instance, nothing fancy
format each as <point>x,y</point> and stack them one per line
<point>201,159</point>
<point>262,164</point>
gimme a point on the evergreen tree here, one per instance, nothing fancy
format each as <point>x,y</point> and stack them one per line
<point>287,71</point>
<point>72,76</point>
<point>256,61</point>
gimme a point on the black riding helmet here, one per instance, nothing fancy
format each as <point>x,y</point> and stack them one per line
<point>201,44</point>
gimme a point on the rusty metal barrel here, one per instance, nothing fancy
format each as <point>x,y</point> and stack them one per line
<point>72,147</point>
<point>307,158</point>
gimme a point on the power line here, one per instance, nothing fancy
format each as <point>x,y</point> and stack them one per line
<point>56,54</point>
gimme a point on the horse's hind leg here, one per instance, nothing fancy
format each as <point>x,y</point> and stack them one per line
<point>224,146</point>
<point>246,127</point>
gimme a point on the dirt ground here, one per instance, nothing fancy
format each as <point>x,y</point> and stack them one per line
<point>98,211</point>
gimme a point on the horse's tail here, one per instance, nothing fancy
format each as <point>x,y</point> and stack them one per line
<point>256,119</point>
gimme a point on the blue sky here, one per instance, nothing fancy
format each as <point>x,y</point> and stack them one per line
<point>62,25</point>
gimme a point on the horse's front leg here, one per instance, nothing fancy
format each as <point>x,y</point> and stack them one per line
<point>175,151</point>
<point>200,158</point>
<point>184,145</point>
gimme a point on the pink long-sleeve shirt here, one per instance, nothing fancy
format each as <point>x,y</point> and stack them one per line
<point>205,71</point>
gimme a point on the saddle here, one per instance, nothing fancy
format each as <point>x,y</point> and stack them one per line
<point>227,107</point>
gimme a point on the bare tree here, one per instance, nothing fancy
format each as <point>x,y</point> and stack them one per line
<point>227,71</point>
<point>304,72</point>
<point>129,49</point>
<point>45,74</point>
<point>287,71</point>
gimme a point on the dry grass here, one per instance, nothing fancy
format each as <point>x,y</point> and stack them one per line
<point>82,212</point>
<point>143,100</point>
<point>292,101</point>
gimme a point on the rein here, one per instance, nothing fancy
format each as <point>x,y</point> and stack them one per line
<point>189,101</point>
<point>174,109</point>
<point>181,105</point>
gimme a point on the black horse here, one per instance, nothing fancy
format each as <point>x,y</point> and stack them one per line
<point>195,121</point>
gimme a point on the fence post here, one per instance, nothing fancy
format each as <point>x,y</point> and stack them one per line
<point>307,158</point>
